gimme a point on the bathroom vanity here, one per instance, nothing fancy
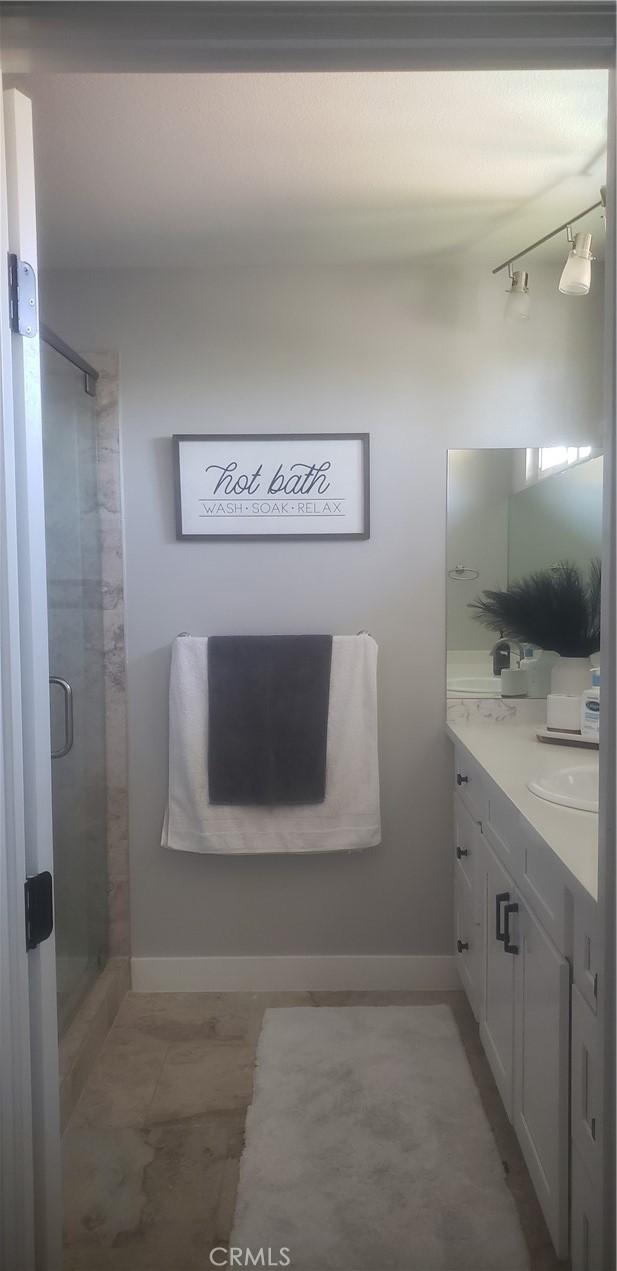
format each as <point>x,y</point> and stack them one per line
<point>529,960</point>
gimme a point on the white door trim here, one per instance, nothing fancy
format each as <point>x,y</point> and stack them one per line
<point>607,995</point>
<point>287,36</point>
<point>16,1169</point>
<point>25,436</point>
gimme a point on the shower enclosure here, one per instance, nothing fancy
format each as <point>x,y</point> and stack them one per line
<point>76,662</point>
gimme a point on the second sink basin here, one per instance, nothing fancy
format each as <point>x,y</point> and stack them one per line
<point>575,787</point>
<point>475,685</point>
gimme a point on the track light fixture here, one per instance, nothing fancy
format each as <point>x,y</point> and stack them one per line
<point>517,303</point>
<point>576,277</point>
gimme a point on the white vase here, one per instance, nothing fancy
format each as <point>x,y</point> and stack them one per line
<point>571,676</point>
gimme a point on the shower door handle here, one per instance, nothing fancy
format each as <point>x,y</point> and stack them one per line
<point>68,716</point>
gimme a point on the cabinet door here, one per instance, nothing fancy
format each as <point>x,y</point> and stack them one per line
<point>586,1249</point>
<point>541,1067</point>
<point>586,1086</point>
<point>467,935</point>
<point>497,1015</point>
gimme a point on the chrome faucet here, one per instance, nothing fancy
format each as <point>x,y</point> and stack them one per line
<point>501,654</point>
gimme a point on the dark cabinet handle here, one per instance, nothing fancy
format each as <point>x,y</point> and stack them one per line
<point>509,909</point>
<point>461,780</point>
<point>462,944</point>
<point>461,851</point>
<point>499,899</point>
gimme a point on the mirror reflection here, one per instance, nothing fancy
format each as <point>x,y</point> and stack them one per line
<point>523,582</point>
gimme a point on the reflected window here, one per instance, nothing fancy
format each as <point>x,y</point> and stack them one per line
<point>542,460</point>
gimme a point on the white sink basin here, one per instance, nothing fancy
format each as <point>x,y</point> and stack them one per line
<point>476,685</point>
<point>571,787</point>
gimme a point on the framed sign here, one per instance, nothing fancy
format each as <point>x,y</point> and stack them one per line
<point>272,485</point>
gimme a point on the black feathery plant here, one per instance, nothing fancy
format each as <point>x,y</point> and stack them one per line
<point>556,609</point>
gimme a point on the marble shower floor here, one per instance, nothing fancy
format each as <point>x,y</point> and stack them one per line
<point>152,1150</point>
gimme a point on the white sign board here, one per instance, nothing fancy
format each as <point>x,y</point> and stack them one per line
<point>277,485</point>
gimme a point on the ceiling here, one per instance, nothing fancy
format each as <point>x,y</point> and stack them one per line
<point>142,170</point>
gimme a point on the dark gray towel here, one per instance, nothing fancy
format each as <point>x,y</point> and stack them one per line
<point>268,700</point>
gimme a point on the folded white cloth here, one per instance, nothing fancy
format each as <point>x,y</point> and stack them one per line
<point>347,819</point>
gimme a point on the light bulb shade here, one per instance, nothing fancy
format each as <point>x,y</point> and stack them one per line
<point>576,277</point>
<point>517,302</point>
<point>517,305</point>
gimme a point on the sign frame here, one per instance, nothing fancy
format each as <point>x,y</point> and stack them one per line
<point>310,536</point>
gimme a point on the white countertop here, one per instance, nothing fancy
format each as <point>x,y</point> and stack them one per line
<point>511,755</point>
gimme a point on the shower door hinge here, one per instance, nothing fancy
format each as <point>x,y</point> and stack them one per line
<point>22,297</point>
<point>38,894</point>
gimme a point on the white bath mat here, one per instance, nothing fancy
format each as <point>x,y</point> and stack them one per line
<point>367,1148</point>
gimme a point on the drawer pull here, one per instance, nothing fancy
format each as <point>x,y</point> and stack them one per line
<point>499,899</point>
<point>461,780</point>
<point>509,909</point>
<point>461,851</point>
<point>464,944</point>
<point>592,1126</point>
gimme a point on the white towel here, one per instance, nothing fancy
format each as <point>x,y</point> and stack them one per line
<point>349,816</point>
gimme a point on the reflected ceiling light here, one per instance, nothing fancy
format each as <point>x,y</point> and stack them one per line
<point>517,303</point>
<point>576,277</point>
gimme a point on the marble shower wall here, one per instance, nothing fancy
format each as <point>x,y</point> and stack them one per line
<point>109,500</point>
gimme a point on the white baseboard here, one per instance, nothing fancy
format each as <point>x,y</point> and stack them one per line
<point>295,974</point>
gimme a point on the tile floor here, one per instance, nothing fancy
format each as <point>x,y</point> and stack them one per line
<point>151,1152</point>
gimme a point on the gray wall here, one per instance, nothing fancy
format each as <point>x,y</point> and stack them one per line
<point>420,358</point>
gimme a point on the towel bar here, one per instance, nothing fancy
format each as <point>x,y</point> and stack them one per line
<point>187,633</point>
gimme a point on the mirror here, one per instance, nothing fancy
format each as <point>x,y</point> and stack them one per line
<point>511,513</point>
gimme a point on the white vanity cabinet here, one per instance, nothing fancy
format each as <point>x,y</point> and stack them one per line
<point>532,934</point>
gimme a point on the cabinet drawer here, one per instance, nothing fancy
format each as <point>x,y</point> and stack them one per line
<point>586,1097</point>
<point>468,935</point>
<point>465,832</point>
<point>502,830</point>
<point>470,783</point>
<point>585,1220</point>
<point>542,885</point>
<point>586,949</point>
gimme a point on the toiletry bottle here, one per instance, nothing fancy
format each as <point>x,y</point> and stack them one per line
<point>539,666</point>
<point>590,708</point>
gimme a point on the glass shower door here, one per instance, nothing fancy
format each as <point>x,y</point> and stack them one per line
<point>77,690</point>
